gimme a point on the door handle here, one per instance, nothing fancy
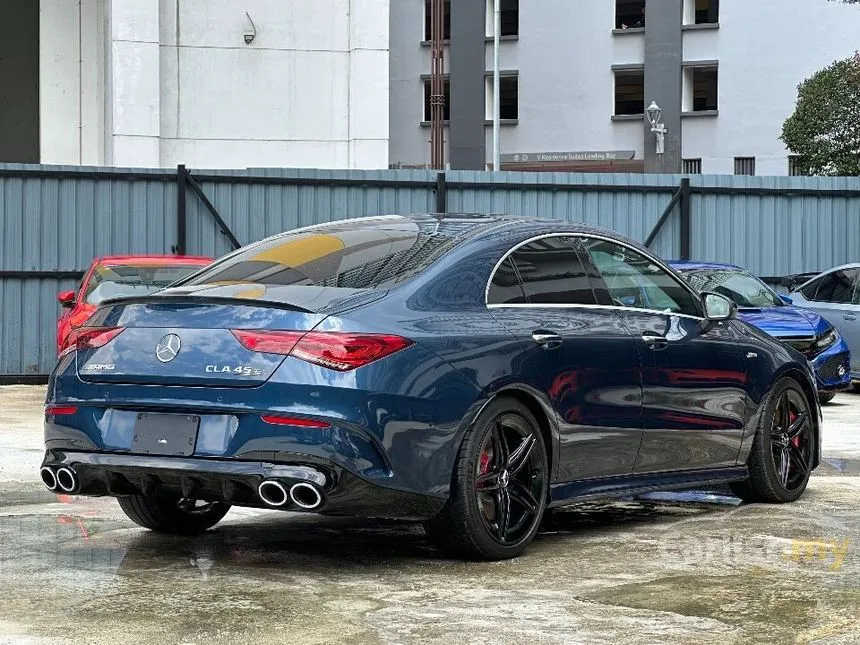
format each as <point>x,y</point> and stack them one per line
<point>547,339</point>
<point>849,316</point>
<point>655,341</point>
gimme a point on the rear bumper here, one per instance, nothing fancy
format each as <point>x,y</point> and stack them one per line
<point>236,482</point>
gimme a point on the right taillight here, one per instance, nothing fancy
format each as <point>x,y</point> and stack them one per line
<point>89,338</point>
<point>340,351</point>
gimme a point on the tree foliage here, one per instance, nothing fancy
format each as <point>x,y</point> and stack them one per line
<point>824,130</point>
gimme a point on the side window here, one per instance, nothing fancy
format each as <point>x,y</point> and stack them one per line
<point>635,281</point>
<point>552,273</point>
<point>809,290</point>
<point>837,286</point>
<point>505,289</point>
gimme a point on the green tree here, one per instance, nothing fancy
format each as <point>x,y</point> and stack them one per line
<point>824,130</point>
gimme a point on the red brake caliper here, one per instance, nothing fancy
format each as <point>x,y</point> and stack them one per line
<point>485,463</point>
<point>792,417</point>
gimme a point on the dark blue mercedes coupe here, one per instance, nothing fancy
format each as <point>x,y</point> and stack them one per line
<point>466,371</point>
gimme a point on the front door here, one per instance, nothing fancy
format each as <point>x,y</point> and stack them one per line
<point>837,298</point>
<point>694,372</point>
<point>588,360</point>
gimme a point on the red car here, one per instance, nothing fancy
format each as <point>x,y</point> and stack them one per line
<point>119,275</point>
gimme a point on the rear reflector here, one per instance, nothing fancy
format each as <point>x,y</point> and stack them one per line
<point>89,338</point>
<point>338,351</point>
<point>276,420</point>
<point>60,410</point>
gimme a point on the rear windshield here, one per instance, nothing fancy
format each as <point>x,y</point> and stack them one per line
<point>348,256</point>
<point>133,280</point>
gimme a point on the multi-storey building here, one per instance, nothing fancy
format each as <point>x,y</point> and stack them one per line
<point>577,75</point>
<point>208,83</point>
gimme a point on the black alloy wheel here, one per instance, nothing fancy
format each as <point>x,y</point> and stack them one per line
<point>509,479</point>
<point>499,487</point>
<point>783,450</point>
<point>791,440</point>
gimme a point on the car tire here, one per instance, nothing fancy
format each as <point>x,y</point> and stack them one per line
<point>771,479</point>
<point>826,397</point>
<point>502,464</point>
<point>172,514</point>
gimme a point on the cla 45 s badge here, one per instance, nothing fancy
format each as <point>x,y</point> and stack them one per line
<point>241,370</point>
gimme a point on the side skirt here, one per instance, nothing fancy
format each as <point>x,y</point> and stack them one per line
<point>623,486</point>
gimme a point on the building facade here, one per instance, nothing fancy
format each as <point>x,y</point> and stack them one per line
<point>207,83</point>
<point>576,77</point>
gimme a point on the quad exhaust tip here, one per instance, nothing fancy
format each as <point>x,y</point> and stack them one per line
<point>273,493</point>
<point>48,478</point>
<point>306,496</point>
<point>67,480</point>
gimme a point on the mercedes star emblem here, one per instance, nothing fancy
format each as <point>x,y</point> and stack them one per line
<point>168,348</point>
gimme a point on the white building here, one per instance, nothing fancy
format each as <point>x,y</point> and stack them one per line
<point>155,83</point>
<point>574,81</point>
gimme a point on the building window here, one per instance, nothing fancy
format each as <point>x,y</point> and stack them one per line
<point>629,92</point>
<point>701,89</point>
<point>510,17</point>
<point>427,107</point>
<point>692,167</point>
<point>629,14</point>
<point>794,167</point>
<point>509,97</point>
<point>446,29</point>
<point>707,12</point>
<point>744,165</point>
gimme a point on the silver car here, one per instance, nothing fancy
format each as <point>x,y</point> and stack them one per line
<point>835,295</point>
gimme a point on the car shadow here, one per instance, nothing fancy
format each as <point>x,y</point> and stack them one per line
<point>303,542</point>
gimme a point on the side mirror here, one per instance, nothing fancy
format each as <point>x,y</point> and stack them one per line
<point>66,298</point>
<point>718,308</point>
<point>786,300</point>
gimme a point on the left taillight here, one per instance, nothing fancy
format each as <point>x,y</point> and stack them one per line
<point>89,338</point>
<point>339,351</point>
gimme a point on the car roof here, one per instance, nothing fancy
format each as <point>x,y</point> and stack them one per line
<point>687,265</point>
<point>114,260</point>
<point>850,265</point>
<point>466,227</point>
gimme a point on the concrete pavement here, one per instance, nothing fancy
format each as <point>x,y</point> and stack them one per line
<point>74,570</point>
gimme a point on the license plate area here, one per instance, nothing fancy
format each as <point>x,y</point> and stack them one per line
<point>172,435</point>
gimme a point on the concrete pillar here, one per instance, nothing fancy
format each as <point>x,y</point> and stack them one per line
<point>368,83</point>
<point>134,84</point>
<point>467,135</point>
<point>663,80</point>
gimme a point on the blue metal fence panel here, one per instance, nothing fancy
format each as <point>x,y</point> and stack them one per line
<point>256,211</point>
<point>625,210</point>
<point>777,235</point>
<point>58,218</point>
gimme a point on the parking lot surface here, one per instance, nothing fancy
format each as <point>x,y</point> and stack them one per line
<point>679,568</point>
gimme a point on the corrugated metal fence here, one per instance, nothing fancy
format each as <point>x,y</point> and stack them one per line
<point>54,220</point>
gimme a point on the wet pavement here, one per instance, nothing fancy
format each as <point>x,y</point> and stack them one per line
<point>669,569</point>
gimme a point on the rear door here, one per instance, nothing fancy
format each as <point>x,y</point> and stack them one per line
<point>836,297</point>
<point>694,373</point>
<point>588,360</point>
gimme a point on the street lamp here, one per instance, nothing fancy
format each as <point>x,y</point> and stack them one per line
<point>654,113</point>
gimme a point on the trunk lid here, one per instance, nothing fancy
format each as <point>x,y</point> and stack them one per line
<point>184,338</point>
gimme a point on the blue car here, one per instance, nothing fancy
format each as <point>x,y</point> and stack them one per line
<point>805,330</point>
<point>465,371</point>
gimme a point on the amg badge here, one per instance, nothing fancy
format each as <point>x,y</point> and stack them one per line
<point>241,370</point>
<point>99,367</point>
